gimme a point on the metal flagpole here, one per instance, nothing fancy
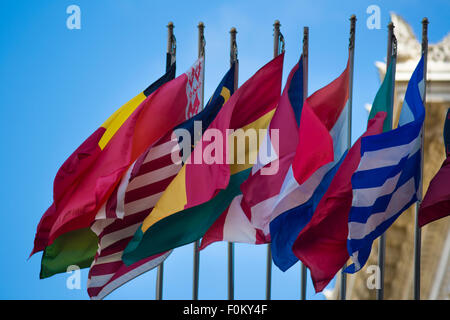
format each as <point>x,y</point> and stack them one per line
<point>201,53</point>
<point>171,46</point>
<point>417,230</point>
<point>277,37</point>
<point>351,48</point>
<point>382,240</point>
<point>233,59</point>
<point>303,271</point>
<point>170,59</point>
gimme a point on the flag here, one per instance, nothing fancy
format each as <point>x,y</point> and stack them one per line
<point>388,176</point>
<point>319,154</point>
<point>436,203</point>
<point>384,97</point>
<point>206,180</point>
<point>274,209</point>
<point>136,196</point>
<point>78,247</point>
<point>322,244</point>
<point>128,133</point>
<point>237,223</point>
<point>267,210</point>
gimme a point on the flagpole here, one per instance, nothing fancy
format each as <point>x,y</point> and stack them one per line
<point>417,230</point>
<point>276,49</point>
<point>351,48</point>
<point>382,240</point>
<point>233,59</point>
<point>171,46</point>
<point>201,53</point>
<point>170,59</point>
<point>303,271</point>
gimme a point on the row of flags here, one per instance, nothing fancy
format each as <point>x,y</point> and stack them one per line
<point>121,203</point>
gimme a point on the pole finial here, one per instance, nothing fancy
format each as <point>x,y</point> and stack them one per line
<point>305,41</point>
<point>425,35</point>
<point>425,23</point>
<point>392,44</point>
<point>233,46</point>
<point>278,38</point>
<point>201,39</point>
<point>351,43</point>
<point>171,41</point>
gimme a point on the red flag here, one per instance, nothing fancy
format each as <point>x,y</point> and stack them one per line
<point>436,203</point>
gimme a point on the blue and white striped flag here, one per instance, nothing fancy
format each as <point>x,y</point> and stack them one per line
<point>387,180</point>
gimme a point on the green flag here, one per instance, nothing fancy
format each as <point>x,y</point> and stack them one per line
<point>383,99</point>
<point>73,248</point>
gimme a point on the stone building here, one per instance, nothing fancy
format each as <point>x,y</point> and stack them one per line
<point>435,257</point>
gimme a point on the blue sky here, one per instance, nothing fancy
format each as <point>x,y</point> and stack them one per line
<point>59,85</point>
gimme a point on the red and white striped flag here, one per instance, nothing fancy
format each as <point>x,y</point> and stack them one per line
<point>123,213</point>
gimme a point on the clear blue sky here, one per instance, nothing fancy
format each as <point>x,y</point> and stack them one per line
<point>59,85</point>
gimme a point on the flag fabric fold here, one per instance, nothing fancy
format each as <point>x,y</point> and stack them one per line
<point>436,202</point>
<point>207,183</point>
<point>388,177</point>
